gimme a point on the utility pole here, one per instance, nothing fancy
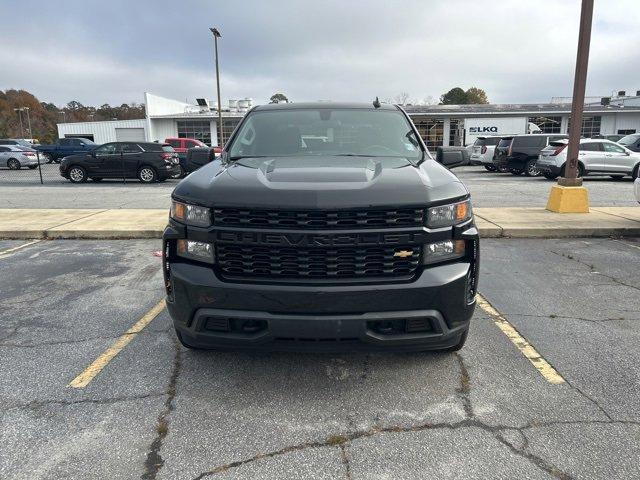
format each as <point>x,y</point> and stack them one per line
<point>571,178</point>
<point>216,35</point>
<point>20,117</point>
<point>569,196</point>
<point>29,123</point>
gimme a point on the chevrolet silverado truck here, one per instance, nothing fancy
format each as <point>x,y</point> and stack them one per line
<point>322,227</point>
<point>65,147</point>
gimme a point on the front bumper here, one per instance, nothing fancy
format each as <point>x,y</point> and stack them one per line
<point>210,312</point>
<point>548,168</point>
<point>169,171</point>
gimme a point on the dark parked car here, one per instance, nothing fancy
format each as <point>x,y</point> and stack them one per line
<point>519,153</point>
<point>632,142</point>
<point>149,162</point>
<point>322,226</point>
<point>65,147</point>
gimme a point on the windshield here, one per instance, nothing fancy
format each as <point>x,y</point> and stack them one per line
<point>629,139</point>
<point>326,131</point>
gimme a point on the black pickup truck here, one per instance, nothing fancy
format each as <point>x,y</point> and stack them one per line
<point>326,227</point>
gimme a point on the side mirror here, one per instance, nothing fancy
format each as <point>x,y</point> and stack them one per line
<point>452,157</point>
<point>224,156</point>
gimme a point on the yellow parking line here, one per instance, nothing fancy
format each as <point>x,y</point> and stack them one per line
<point>547,371</point>
<point>19,247</point>
<point>99,363</point>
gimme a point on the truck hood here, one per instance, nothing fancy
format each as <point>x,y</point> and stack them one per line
<point>323,182</point>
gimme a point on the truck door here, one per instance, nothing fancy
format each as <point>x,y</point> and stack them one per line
<point>106,161</point>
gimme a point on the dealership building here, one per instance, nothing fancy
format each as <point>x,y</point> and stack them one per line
<point>438,124</point>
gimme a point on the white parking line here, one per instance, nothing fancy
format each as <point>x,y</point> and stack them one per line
<point>19,247</point>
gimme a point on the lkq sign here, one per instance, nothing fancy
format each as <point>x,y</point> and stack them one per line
<point>477,130</point>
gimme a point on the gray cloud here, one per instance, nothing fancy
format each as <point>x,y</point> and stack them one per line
<point>518,51</point>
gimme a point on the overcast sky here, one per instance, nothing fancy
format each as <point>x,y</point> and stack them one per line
<point>112,51</point>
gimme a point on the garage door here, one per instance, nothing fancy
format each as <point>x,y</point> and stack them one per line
<point>130,134</point>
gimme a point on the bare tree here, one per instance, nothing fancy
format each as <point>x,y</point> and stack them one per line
<point>402,98</point>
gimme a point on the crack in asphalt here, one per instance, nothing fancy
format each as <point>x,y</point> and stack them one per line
<point>154,461</point>
<point>345,461</point>
<point>470,421</point>
<point>593,270</point>
<point>35,404</point>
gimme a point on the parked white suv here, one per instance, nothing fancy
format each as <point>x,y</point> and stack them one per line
<point>597,156</point>
<point>482,152</point>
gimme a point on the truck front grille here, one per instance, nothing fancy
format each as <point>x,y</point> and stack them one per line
<point>309,219</point>
<point>306,263</point>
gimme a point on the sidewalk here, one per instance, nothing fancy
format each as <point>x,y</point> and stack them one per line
<point>148,223</point>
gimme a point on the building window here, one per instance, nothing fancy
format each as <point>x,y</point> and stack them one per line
<point>432,132</point>
<point>198,129</point>
<point>228,126</point>
<point>455,133</point>
<point>590,126</point>
<point>627,131</point>
<point>547,124</point>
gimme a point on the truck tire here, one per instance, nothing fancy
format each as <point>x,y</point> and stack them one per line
<point>550,176</point>
<point>490,168</point>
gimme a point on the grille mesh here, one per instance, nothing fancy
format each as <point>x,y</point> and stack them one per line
<point>309,219</point>
<point>341,262</point>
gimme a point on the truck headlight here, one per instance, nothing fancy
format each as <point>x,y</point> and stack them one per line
<point>190,214</point>
<point>199,251</point>
<point>443,251</point>
<point>449,215</point>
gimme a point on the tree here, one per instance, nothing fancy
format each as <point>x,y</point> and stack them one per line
<point>457,96</point>
<point>278,98</point>
<point>402,98</point>
<point>476,95</point>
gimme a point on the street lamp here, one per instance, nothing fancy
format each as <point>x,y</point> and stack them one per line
<point>20,117</point>
<point>216,35</point>
<point>28,122</point>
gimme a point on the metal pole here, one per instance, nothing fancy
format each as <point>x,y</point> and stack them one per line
<point>39,167</point>
<point>216,34</point>
<point>570,178</point>
<point>29,123</point>
<point>19,110</point>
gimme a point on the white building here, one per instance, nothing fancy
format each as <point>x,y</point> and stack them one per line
<point>438,124</point>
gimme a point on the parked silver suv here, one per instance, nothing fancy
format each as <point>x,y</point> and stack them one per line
<point>597,156</point>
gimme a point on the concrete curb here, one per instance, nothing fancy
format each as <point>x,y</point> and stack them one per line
<point>121,224</point>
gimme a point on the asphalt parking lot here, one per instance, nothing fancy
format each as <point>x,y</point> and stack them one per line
<point>148,408</point>
<point>488,189</point>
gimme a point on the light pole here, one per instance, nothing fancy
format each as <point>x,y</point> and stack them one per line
<point>569,196</point>
<point>216,35</point>
<point>29,123</point>
<point>20,117</point>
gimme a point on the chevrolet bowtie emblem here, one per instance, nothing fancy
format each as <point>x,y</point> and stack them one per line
<point>403,253</point>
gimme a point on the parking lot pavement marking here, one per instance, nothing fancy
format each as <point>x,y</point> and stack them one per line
<point>547,371</point>
<point>19,247</point>
<point>99,363</point>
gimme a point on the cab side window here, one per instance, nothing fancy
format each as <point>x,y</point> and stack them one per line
<point>131,148</point>
<point>107,149</point>
<point>591,147</point>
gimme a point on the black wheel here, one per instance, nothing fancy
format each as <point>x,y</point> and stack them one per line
<point>580,170</point>
<point>515,172</point>
<point>185,344</point>
<point>33,167</point>
<point>77,174</point>
<point>147,174</point>
<point>503,169</point>
<point>490,168</point>
<point>48,157</point>
<point>180,174</point>
<point>550,176</point>
<point>13,164</point>
<point>96,179</point>
<point>636,173</point>
<point>531,169</point>
<point>460,344</point>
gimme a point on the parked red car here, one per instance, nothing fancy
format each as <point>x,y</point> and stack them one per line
<point>181,145</point>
